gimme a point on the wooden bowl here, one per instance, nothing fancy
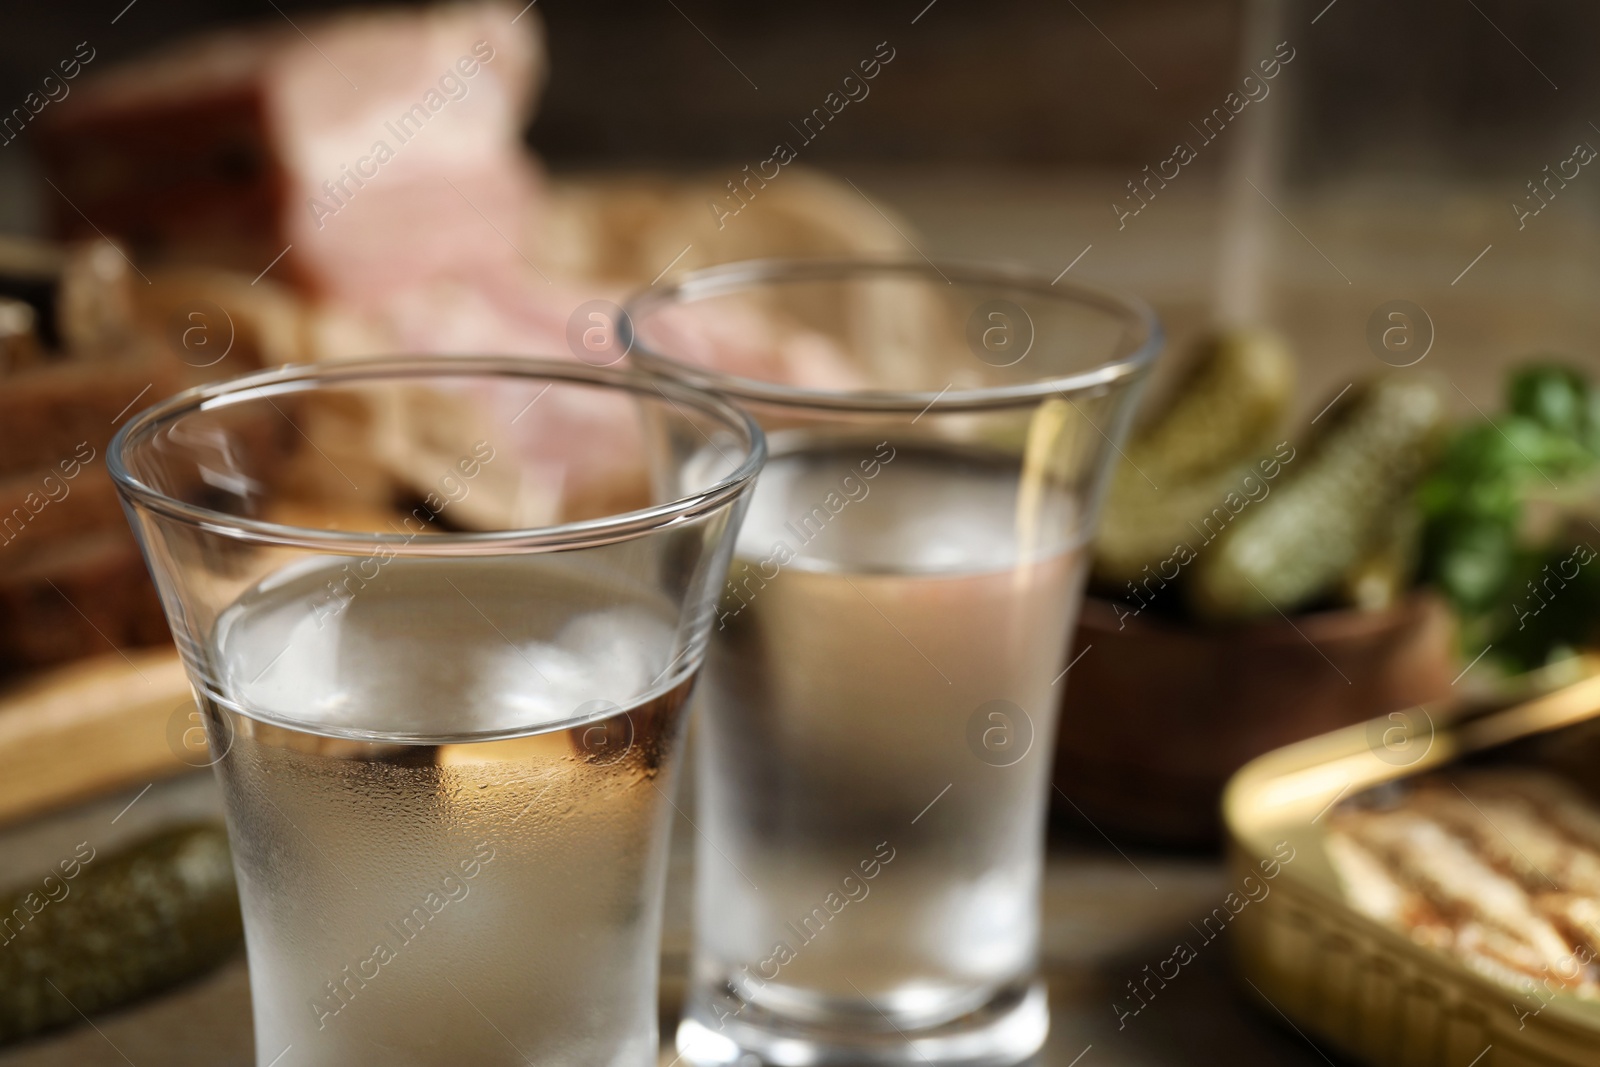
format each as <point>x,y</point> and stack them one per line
<point>1158,714</point>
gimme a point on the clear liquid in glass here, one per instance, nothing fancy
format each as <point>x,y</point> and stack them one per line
<point>866,861</point>
<point>488,895</point>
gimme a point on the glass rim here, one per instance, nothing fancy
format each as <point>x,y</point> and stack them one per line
<point>302,377</point>
<point>755,273</point>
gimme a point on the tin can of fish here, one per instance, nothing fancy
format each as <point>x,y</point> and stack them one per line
<point>1437,909</point>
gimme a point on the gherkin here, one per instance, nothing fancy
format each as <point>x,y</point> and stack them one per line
<point>1334,510</point>
<point>127,925</point>
<point>1222,416</point>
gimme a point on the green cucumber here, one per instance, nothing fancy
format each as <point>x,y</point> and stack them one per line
<point>115,928</point>
<point>1221,416</point>
<point>1334,510</point>
<point>1225,410</point>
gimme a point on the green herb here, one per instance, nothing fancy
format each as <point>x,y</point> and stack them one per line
<point>1520,597</point>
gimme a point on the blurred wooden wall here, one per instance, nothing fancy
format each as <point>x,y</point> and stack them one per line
<point>643,81</point>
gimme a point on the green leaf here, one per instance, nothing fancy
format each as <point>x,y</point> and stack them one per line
<point>1554,396</point>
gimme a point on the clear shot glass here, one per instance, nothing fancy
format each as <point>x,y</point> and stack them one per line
<point>442,617</point>
<point>873,764</point>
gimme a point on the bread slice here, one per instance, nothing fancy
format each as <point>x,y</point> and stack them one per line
<point>56,414</point>
<point>81,596</point>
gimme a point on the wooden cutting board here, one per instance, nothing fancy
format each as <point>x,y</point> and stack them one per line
<point>95,726</point>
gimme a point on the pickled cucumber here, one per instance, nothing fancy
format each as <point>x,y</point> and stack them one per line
<point>119,927</point>
<point>1142,525</point>
<point>1334,510</point>
<point>1225,410</point>
<point>1222,415</point>
<point>1382,577</point>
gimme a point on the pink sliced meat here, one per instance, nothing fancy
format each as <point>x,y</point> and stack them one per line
<point>379,148</point>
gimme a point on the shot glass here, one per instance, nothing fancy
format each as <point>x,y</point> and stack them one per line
<point>873,764</point>
<point>442,616</point>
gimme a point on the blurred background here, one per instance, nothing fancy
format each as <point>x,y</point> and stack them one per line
<point>1303,170</point>
<point>1387,157</point>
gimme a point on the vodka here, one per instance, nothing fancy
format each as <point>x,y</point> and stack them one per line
<point>879,726</point>
<point>447,796</point>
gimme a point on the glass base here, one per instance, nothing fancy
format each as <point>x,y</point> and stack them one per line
<point>1007,1029</point>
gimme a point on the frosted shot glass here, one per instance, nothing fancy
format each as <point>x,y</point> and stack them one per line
<point>442,616</point>
<point>873,765</point>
